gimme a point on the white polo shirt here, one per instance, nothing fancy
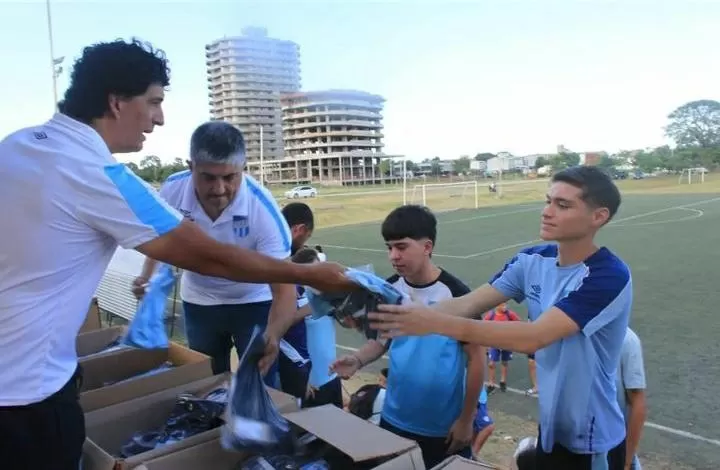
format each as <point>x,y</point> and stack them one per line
<point>66,205</point>
<point>252,221</point>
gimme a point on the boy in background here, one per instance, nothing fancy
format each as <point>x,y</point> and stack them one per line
<point>500,313</point>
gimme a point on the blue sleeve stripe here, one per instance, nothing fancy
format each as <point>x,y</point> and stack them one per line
<point>274,213</point>
<point>601,287</point>
<point>178,176</point>
<point>145,205</point>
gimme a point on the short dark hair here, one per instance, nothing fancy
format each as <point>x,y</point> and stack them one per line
<point>305,256</point>
<point>410,221</point>
<point>125,69</point>
<point>299,213</point>
<point>598,188</point>
<point>217,142</point>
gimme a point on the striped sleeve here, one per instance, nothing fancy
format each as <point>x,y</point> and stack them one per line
<point>125,207</point>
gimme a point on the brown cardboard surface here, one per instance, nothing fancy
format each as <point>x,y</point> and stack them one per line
<point>94,341</point>
<point>208,455</point>
<point>358,439</point>
<point>126,363</point>
<point>107,429</point>
<point>92,320</point>
<point>459,463</point>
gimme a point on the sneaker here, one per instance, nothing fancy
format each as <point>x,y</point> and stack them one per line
<point>503,387</point>
<point>490,388</point>
<point>531,392</point>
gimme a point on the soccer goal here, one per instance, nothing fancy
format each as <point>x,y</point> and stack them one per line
<point>446,196</point>
<point>692,176</point>
<point>521,190</point>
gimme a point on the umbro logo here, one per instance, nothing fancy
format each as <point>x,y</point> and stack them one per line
<point>40,135</point>
<point>536,289</point>
<point>187,215</point>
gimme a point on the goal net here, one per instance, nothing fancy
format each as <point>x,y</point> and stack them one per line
<point>446,196</point>
<point>519,190</point>
<point>692,176</point>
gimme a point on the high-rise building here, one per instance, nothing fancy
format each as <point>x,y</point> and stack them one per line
<point>246,76</point>
<point>331,137</point>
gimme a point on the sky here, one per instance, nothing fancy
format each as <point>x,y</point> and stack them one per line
<point>459,77</point>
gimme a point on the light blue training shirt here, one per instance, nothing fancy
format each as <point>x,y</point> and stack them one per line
<point>577,392</point>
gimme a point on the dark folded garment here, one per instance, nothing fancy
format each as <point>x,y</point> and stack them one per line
<point>190,416</point>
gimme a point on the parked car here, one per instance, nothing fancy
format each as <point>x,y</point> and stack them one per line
<point>301,191</point>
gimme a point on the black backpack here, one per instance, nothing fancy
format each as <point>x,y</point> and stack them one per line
<point>362,401</point>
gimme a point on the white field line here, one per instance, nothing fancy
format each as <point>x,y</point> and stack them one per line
<point>659,427</point>
<point>617,221</point>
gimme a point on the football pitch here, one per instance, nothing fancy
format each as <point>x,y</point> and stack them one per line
<point>666,239</point>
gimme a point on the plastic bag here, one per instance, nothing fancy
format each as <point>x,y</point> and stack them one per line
<point>147,329</point>
<point>252,423</point>
<point>356,305</point>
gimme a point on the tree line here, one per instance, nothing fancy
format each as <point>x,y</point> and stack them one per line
<point>694,127</point>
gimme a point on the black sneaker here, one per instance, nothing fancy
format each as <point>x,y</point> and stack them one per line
<point>503,387</point>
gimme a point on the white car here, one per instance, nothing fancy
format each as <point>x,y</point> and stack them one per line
<point>301,191</point>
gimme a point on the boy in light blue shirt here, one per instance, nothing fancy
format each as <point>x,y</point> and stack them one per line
<point>579,298</point>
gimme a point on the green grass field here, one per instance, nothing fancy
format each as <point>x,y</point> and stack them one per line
<point>666,235</point>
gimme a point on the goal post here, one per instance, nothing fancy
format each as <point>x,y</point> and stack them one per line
<point>692,176</point>
<point>447,196</point>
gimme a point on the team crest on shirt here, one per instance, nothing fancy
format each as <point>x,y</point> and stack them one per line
<point>187,214</point>
<point>241,228</point>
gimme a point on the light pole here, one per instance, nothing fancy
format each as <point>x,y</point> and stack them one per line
<point>262,161</point>
<point>55,63</point>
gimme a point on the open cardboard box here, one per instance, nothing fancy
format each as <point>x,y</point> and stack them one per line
<point>123,364</point>
<point>109,428</point>
<point>92,320</point>
<point>93,342</point>
<point>356,438</point>
<point>459,463</point>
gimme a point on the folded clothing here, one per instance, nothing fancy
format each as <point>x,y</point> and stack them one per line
<point>191,415</point>
<point>356,305</point>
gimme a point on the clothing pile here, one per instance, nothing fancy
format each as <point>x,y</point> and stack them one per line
<point>356,305</point>
<point>191,415</point>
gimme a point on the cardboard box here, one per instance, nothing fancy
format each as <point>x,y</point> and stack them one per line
<point>459,463</point>
<point>92,320</point>
<point>93,342</point>
<point>128,363</point>
<point>356,438</point>
<point>359,439</point>
<point>109,428</point>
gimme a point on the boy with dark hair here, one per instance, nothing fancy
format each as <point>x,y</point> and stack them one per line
<point>579,298</point>
<point>432,392</point>
<point>314,339</point>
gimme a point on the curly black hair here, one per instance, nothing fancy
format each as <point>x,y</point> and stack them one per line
<point>125,69</point>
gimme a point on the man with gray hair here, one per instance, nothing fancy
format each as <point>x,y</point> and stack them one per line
<point>233,208</point>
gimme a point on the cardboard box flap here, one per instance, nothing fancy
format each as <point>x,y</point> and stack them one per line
<point>459,463</point>
<point>355,437</point>
<point>99,371</point>
<point>208,455</point>
<point>95,341</point>
<point>92,320</point>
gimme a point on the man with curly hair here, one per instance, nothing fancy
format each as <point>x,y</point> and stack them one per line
<point>67,205</point>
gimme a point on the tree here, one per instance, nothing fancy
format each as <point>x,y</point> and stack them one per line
<point>564,160</point>
<point>649,161</point>
<point>483,157</point>
<point>461,165</point>
<point>695,124</point>
<point>606,163</point>
<point>385,166</point>
<point>541,162</point>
